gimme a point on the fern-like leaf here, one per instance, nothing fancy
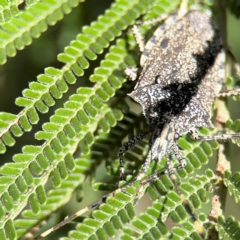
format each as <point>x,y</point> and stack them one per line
<point>40,96</point>
<point>8,10</point>
<point>18,32</point>
<point>228,228</point>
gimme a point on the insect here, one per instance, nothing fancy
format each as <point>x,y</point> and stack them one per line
<point>181,74</point>
<point>182,69</point>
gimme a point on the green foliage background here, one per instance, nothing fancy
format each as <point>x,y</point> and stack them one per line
<point>65,113</point>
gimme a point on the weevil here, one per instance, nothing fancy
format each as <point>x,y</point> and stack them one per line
<point>182,71</point>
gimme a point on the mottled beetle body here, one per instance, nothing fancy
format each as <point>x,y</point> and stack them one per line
<point>182,72</point>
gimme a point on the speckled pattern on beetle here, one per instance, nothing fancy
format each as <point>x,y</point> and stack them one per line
<point>182,69</point>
